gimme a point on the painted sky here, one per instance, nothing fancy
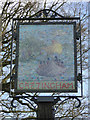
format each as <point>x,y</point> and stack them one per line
<point>37,43</point>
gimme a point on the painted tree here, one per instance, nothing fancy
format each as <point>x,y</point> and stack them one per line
<point>26,9</point>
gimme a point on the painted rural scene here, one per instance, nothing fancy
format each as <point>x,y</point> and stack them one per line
<point>46,53</point>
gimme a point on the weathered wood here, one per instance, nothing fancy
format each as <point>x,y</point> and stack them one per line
<point>45,111</point>
<point>45,107</point>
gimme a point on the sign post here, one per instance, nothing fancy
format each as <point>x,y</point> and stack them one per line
<point>45,108</point>
<point>46,59</point>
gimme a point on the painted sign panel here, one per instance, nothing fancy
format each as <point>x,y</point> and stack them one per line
<point>47,57</point>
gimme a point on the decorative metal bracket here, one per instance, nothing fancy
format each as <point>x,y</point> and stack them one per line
<point>50,100</point>
<point>79,102</point>
<point>78,34</point>
<point>20,100</point>
<point>48,14</point>
<point>15,35</point>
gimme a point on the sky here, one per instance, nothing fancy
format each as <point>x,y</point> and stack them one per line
<point>72,0</point>
<point>1,1</point>
<point>49,0</point>
<point>52,1</point>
